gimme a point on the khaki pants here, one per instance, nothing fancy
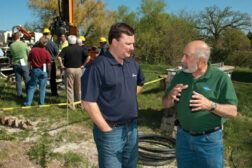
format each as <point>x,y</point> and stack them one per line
<point>73,83</point>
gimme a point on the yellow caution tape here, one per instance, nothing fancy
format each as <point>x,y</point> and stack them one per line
<point>38,106</point>
<point>61,104</point>
<point>147,83</point>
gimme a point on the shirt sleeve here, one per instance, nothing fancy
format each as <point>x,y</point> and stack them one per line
<point>90,84</point>
<point>27,49</point>
<point>140,77</point>
<point>29,55</point>
<point>55,49</point>
<point>84,55</point>
<point>49,60</point>
<point>228,95</point>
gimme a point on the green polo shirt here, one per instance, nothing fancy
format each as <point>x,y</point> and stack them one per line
<point>19,50</point>
<point>214,85</point>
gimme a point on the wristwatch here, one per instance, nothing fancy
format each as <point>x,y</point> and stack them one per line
<point>213,106</point>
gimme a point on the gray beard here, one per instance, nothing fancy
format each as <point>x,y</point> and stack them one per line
<point>190,70</point>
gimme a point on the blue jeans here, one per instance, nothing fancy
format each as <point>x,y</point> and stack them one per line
<point>117,148</point>
<point>36,75</point>
<point>204,151</point>
<point>21,71</point>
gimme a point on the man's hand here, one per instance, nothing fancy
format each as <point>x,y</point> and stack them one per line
<point>200,102</point>
<point>62,67</point>
<point>176,91</point>
<point>168,100</point>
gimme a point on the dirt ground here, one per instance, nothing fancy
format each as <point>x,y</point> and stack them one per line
<point>14,153</point>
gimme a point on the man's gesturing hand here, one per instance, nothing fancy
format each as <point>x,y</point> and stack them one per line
<point>176,91</point>
<point>199,102</point>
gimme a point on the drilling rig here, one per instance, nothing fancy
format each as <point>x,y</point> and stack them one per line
<point>64,23</point>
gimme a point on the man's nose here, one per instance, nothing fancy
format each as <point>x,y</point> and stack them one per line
<point>182,59</point>
<point>132,47</point>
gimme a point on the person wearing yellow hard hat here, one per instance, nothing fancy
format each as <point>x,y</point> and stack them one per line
<point>83,38</point>
<point>84,46</point>
<point>103,46</point>
<point>52,48</point>
<point>46,31</point>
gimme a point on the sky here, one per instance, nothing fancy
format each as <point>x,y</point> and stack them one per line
<point>16,12</point>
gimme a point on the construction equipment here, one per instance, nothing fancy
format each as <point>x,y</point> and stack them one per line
<point>64,23</point>
<point>6,38</point>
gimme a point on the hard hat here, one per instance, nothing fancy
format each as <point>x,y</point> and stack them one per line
<point>103,39</point>
<point>46,30</point>
<point>83,38</point>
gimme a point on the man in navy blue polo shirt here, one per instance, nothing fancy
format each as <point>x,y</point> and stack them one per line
<point>109,95</point>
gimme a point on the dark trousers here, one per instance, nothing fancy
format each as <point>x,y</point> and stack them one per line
<point>53,79</point>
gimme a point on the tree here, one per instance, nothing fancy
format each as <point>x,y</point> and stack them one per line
<point>90,16</point>
<point>214,21</point>
<point>150,31</point>
<point>235,39</point>
<point>180,32</point>
<point>249,35</point>
<point>123,15</point>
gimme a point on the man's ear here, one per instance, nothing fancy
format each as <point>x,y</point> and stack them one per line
<point>114,41</point>
<point>202,60</point>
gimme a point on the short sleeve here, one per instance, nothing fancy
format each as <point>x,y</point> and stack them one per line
<point>90,84</point>
<point>49,60</point>
<point>29,55</point>
<point>140,77</point>
<point>55,49</point>
<point>228,95</point>
<point>84,54</point>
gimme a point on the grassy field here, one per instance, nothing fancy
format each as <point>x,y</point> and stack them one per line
<point>237,132</point>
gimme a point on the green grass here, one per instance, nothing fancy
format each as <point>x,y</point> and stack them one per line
<point>237,132</point>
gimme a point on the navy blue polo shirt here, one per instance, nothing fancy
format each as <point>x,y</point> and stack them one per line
<point>113,87</point>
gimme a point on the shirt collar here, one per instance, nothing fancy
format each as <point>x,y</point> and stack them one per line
<point>112,60</point>
<point>207,75</point>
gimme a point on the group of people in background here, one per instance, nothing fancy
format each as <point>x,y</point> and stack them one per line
<point>39,65</point>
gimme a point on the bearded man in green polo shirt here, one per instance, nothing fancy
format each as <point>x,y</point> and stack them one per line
<point>205,97</point>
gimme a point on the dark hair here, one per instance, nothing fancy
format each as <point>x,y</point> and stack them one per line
<point>62,34</point>
<point>42,42</point>
<point>118,29</point>
<point>16,36</point>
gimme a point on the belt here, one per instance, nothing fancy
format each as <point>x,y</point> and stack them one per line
<point>202,133</point>
<point>114,124</point>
